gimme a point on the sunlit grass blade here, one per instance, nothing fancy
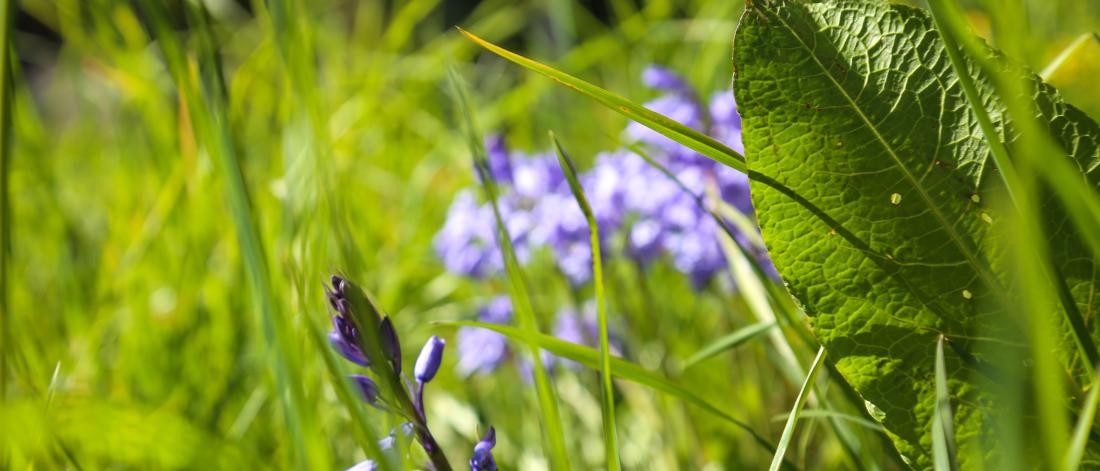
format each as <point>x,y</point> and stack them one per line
<point>957,43</point>
<point>205,96</point>
<point>623,369</point>
<point>517,285</point>
<point>764,296</point>
<point>792,419</point>
<point>1082,430</point>
<point>830,414</point>
<point>943,425</point>
<point>1077,45</point>
<point>728,342</point>
<point>691,138</point>
<point>607,392</point>
<point>6,96</point>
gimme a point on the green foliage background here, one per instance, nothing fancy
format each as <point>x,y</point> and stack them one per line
<point>134,336</point>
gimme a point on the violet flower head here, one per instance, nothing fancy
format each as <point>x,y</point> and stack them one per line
<point>431,356</point>
<point>482,459</point>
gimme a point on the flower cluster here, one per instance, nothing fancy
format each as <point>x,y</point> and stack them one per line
<point>634,202</point>
<point>378,348</point>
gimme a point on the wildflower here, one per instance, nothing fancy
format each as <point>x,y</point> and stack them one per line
<point>366,465</point>
<point>391,346</point>
<point>482,460</point>
<point>368,388</point>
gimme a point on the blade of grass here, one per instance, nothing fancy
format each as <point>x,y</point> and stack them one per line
<point>943,426</point>
<point>792,419</point>
<point>728,342</point>
<point>621,368</point>
<point>205,97</point>
<point>829,414</point>
<point>1082,430</point>
<point>1070,50</point>
<point>691,138</point>
<point>517,286</point>
<point>762,295</point>
<point>608,396</point>
<point>5,190</point>
<point>957,39</point>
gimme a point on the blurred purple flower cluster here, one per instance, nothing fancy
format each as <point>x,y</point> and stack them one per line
<point>632,200</point>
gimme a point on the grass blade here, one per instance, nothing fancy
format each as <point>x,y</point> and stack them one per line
<point>956,40</point>
<point>517,286</point>
<point>728,342</point>
<point>205,96</point>
<point>792,419</point>
<point>621,368</point>
<point>943,426</point>
<point>691,138</point>
<point>6,97</point>
<point>1066,53</point>
<point>608,397</point>
<point>830,414</point>
<point>1082,430</point>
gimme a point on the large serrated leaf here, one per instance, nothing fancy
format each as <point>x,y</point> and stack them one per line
<point>876,203</point>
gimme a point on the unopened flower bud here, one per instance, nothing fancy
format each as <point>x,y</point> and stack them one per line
<point>427,364</point>
<point>367,388</point>
<point>391,345</point>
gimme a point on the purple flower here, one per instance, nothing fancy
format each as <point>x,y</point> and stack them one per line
<point>391,346</point>
<point>482,459</point>
<point>431,356</point>
<point>367,388</point>
<point>482,350</point>
<point>467,243</point>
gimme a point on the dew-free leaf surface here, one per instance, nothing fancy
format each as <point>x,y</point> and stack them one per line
<point>881,215</point>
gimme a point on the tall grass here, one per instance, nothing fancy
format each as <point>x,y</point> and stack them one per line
<point>176,183</point>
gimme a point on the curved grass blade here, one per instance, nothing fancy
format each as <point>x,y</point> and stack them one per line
<point>517,286</point>
<point>6,105</point>
<point>1081,431</point>
<point>1066,53</point>
<point>792,419</point>
<point>830,414</point>
<point>205,95</point>
<point>608,398</point>
<point>943,426</point>
<point>691,138</point>
<point>729,342</point>
<point>956,39</point>
<point>622,369</point>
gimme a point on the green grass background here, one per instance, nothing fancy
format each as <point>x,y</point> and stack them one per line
<point>134,337</point>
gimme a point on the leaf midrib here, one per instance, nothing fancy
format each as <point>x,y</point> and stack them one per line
<point>950,229</point>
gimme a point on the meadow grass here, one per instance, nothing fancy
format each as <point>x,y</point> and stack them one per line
<point>177,182</point>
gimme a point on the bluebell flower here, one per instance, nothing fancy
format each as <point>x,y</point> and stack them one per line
<point>482,459</point>
<point>431,356</point>
<point>366,465</point>
<point>634,202</point>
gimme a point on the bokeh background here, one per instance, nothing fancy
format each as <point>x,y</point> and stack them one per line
<point>132,338</point>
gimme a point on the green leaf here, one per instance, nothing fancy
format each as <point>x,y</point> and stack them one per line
<point>879,204</point>
<point>620,368</point>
